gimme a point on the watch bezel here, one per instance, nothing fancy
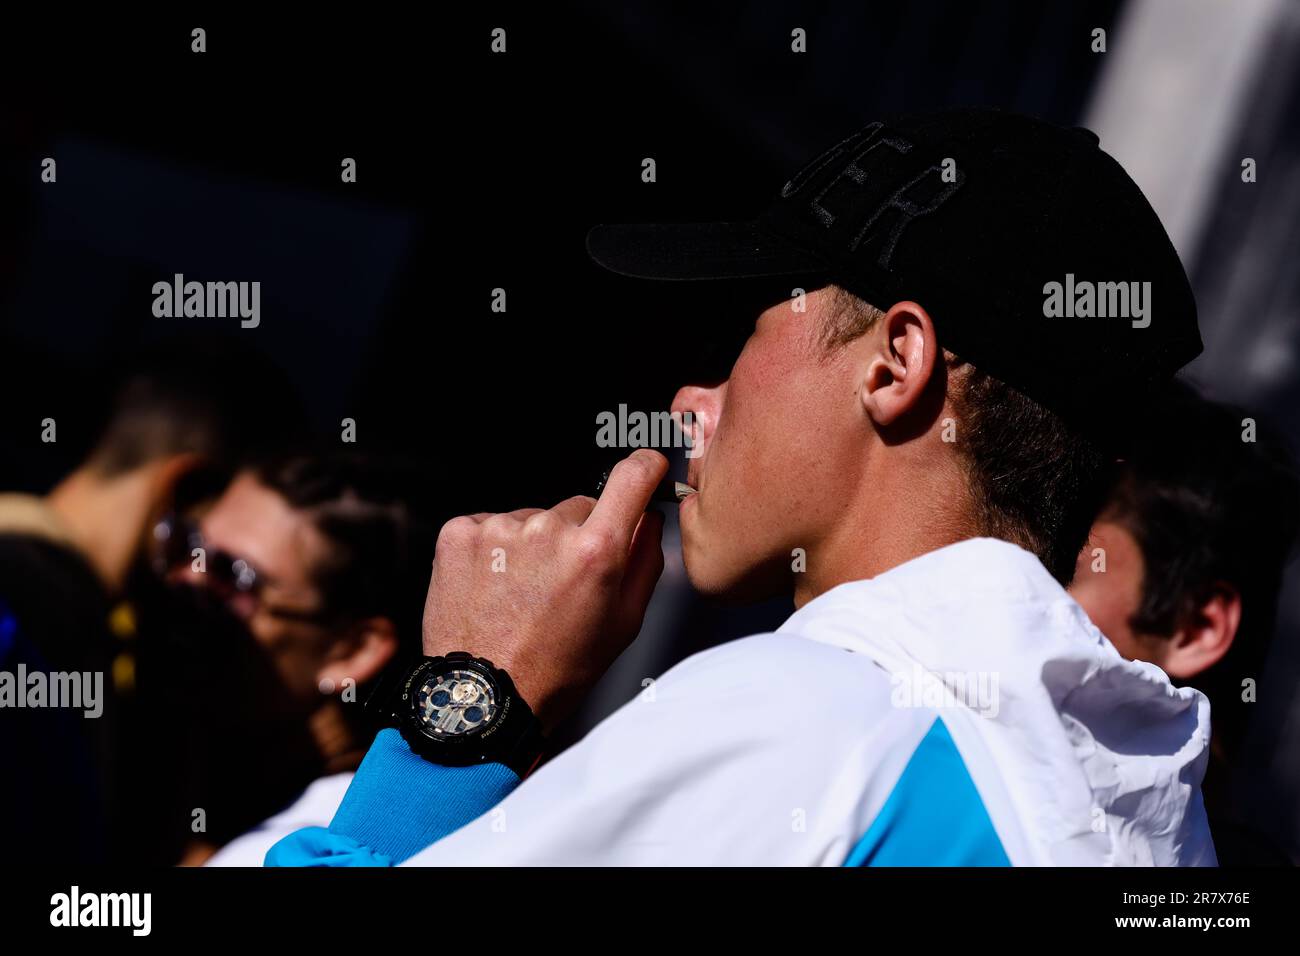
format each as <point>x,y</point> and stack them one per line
<point>464,748</point>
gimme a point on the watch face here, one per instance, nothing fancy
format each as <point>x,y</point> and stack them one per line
<point>455,703</point>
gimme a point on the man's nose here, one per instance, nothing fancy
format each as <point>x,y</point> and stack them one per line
<point>704,403</point>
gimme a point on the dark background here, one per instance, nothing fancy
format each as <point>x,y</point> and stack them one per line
<point>475,171</point>
<point>478,171</point>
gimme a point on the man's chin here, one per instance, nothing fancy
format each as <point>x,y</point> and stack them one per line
<point>747,584</point>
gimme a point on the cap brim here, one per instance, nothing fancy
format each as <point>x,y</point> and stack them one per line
<point>698,251</point>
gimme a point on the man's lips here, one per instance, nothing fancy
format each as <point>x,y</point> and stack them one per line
<point>667,491</point>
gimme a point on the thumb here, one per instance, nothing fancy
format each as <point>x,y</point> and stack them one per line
<point>645,563</point>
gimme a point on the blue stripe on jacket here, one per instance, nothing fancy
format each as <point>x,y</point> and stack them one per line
<point>934,815</point>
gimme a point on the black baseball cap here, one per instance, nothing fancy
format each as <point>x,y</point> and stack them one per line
<point>974,214</point>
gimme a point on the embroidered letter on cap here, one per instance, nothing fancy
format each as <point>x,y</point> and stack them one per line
<point>855,172</point>
<point>800,179</point>
<point>911,203</point>
<point>873,165</point>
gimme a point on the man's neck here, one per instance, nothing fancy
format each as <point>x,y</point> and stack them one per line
<point>105,518</point>
<point>906,517</point>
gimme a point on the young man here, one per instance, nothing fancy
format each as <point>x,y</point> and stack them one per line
<point>1183,568</point>
<point>919,472</point>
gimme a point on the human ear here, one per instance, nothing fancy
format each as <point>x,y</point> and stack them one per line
<point>1203,641</point>
<point>900,355</point>
<point>371,646</point>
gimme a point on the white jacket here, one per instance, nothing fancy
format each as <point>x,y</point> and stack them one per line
<point>958,709</point>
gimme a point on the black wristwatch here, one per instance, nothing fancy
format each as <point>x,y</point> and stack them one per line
<point>459,710</point>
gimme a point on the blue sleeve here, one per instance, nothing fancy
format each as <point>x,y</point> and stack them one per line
<point>397,804</point>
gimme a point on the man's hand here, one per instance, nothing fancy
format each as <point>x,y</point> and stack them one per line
<point>551,596</point>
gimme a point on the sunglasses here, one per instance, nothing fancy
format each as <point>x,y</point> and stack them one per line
<point>229,577</point>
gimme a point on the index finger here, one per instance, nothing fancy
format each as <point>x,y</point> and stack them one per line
<point>626,495</point>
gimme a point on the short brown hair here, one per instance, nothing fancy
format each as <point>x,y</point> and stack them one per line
<point>1035,481</point>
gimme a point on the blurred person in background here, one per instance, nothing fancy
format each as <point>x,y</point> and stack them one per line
<point>70,564</point>
<point>1183,567</point>
<point>313,575</point>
